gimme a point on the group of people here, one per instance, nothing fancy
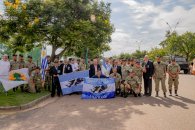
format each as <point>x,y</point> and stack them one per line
<point>128,73</point>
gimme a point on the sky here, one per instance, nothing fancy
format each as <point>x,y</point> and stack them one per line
<point>143,23</point>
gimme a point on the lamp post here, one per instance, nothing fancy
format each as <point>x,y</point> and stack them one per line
<point>139,44</point>
<point>172,30</point>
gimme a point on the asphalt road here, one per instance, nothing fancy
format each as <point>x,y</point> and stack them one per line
<point>145,113</point>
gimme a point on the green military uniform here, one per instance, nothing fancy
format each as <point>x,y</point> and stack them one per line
<point>124,72</point>
<point>82,66</point>
<point>173,69</point>
<point>117,78</point>
<point>22,64</point>
<point>48,78</point>
<point>31,66</point>
<point>14,65</point>
<point>37,80</point>
<point>138,72</point>
<point>160,75</point>
<point>133,83</point>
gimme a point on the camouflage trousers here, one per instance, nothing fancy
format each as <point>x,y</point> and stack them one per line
<point>126,88</point>
<point>174,82</point>
<point>48,82</point>
<point>157,83</point>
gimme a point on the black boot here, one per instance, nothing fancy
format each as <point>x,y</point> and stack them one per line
<point>121,94</point>
<point>139,95</point>
<point>176,93</point>
<point>135,94</point>
<point>125,95</point>
<point>165,95</point>
<point>170,91</point>
<point>156,93</point>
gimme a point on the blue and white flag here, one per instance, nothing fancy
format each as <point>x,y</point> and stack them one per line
<point>44,62</point>
<point>73,82</point>
<point>94,88</point>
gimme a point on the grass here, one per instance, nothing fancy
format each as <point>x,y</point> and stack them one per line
<point>18,98</point>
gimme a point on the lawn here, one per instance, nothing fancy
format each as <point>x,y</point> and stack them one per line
<point>18,98</point>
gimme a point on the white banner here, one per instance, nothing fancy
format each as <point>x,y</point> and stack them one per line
<point>9,84</point>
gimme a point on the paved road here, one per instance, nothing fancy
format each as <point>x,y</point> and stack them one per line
<point>145,113</point>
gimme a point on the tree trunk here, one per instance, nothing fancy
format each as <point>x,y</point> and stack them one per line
<point>53,52</point>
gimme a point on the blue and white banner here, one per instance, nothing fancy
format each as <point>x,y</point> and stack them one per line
<point>94,88</point>
<point>73,82</point>
<point>44,62</point>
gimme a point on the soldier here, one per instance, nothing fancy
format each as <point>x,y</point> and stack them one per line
<point>14,65</point>
<point>37,80</point>
<point>173,70</point>
<point>31,66</point>
<point>82,65</point>
<point>133,84</point>
<point>117,78</point>
<point>159,75</point>
<point>48,77</point>
<point>22,64</point>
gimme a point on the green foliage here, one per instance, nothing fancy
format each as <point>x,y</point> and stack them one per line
<point>183,45</point>
<point>63,24</point>
<point>137,55</point>
<point>156,52</point>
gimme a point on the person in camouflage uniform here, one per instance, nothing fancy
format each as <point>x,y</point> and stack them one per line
<point>48,77</point>
<point>131,83</point>
<point>159,75</point>
<point>117,78</point>
<point>22,64</point>
<point>30,64</point>
<point>14,65</point>
<point>37,80</point>
<point>173,70</point>
<point>82,65</point>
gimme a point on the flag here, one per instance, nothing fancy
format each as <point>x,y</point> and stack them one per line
<point>9,84</point>
<point>44,62</point>
<point>95,88</point>
<point>72,82</point>
<point>106,68</point>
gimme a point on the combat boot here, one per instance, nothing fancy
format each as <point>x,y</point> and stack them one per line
<point>121,94</point>
<point>170,91</point>
<point>165,95</point>
<point>125,95</point>
<point>176,93</point>
<point>156,93</point>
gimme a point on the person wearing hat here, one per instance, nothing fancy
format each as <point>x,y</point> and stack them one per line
<point>36,80</point>
<point>30,64</point>
<point>132,83</point>
<point>160,75</point>
<point>173,70</point>
<point>55,72</point>
<point>14,65</point>
<point>21,62</point>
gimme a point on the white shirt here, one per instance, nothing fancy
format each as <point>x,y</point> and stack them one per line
<point>4,68</point>
<point>75,67</point>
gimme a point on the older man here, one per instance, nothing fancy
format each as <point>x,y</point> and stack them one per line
<point>4,66</point>
<point>94,68</point>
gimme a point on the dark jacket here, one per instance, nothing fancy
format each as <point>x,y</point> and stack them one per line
<point>55,71</point>
<point>92,70</point>
<point>101,76</point>
<point>149,69</point>
<point>119,70</point>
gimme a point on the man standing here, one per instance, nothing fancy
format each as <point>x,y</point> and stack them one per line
<point>30,64</point>
<point>4,66</point>
<point>67,67</point>
<point>160,75</point>
<point>55,71</point>
<point>147,75</point>
<point>94,68</point>
<point>173,70</point>
<point>22,64</point>
<point>14,65</point>
<point>48,78</point>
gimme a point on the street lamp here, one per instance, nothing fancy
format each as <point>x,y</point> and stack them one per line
<point>139,44</point>
<point>172,30</point>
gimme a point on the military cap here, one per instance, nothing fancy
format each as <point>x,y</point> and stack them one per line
<point>14,55</point>
<point>30,57</point>
<point>37,67</point>
<point>137,62</point>
<point>21,55</point>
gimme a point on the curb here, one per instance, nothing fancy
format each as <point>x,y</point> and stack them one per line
<point>26,106</point>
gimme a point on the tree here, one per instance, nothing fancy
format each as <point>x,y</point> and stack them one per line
<point>183,45</point>
<point>156,52</point>
<point>63,24</point>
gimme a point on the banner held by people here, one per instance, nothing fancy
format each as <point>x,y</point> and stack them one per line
<point>14,79</point>
<point>72,82</point>
<point>98,88</point>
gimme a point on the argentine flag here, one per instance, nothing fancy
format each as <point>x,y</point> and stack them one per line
<point>44,62</point>
<point>106,68</point>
